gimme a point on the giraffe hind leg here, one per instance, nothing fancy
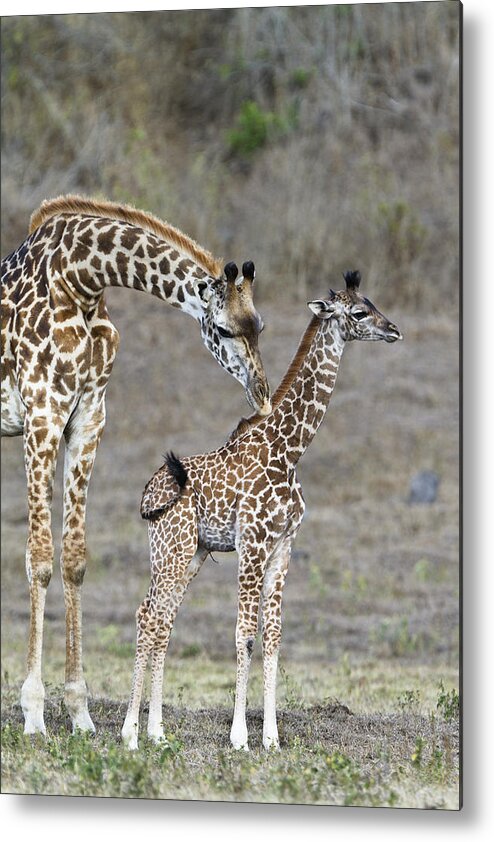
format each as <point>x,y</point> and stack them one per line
<point>174,600</point>
<point>174,562</point>
<point>145,636</point>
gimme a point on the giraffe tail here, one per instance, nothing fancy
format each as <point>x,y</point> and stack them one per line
<point>176,468</point>
<point>164,488</point>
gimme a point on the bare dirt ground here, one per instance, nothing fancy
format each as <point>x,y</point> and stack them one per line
<point>374,579</point>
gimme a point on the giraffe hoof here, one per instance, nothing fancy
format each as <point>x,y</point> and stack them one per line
<point>35,725</point>
<point>157,736</point>
<point>83,722</point>
<point>130,741</point>
<point>129,736</point>
<point>32,703</point>
<point>238,746</point>
<point>75,698</point>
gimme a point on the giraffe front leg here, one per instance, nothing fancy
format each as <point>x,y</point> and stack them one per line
<point>271,620</point>
<point>82,438</point>
<point>41,441</point>
<point>249,592</point>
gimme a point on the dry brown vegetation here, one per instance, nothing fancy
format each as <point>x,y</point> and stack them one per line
<point>311,138</point>
<point>347,159</point>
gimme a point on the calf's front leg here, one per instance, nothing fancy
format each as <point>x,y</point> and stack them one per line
<point>272,594</point>
<point>249,593</point>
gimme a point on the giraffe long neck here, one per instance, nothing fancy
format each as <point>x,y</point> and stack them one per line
<point>94,253</point>
<point>298,415</point>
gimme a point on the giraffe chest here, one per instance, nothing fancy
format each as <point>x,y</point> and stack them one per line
<point>272,510</point>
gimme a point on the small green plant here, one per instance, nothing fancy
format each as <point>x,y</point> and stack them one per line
<point>417,754</point>
<point>251,131</point>
<point>347,580</point>
<point>191,651</point>
<point>316,580</point>
<point>345,665</point>
<point>169,747</point>
<point>409,700</point>
<point>396,636</point>
<point>355,584</point>
<point>358,787</point>
<point>293,691</point>
<point>255,127</point>
<point>448,702</point>
<point>109,638</point>
<point>423,570</point>
<point>300,77</point>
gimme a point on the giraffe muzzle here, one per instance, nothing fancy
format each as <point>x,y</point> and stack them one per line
<point>392,333</point>
<point>259,398</point>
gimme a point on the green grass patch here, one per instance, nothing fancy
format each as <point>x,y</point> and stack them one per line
<point>352,733</point>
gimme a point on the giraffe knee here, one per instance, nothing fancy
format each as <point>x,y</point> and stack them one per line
<point>246,644</point>
<point>74,571</point>
<point>271,639</point>
<point>73,560</point>
<point>143,618</point>
<point>41,573</point>
<point>39,566</point>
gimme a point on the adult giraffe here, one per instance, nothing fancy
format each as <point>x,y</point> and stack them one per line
<point>58,348</point>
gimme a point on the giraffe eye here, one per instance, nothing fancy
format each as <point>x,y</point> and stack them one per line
<point>224,333</point>
<point>360,314</point>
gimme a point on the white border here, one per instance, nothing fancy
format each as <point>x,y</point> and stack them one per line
<point>54,818</point>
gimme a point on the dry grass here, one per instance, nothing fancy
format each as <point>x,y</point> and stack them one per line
<point>371,600</point>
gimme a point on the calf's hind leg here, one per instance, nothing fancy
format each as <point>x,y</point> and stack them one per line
<point>174,562</point>
<point>175,596</point>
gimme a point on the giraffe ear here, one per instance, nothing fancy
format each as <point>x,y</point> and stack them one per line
<point>322,308</point>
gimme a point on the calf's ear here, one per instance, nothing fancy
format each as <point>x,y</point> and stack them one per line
<point>321,308</point>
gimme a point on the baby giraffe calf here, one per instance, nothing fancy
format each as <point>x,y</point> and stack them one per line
<point>245,496</point>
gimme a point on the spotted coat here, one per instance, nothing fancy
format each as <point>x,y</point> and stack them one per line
<point>58,348</point>
<point>245,496</point>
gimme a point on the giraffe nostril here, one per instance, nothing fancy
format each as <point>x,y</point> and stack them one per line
<point>393,332</point>
<point>259,391</point>
<point>260,397</point>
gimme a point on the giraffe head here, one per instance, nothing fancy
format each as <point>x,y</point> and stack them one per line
<point>355,315</point>
<point>230,327</point>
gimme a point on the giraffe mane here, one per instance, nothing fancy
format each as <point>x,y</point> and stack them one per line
<point>246,423</point>
<point>72,203</point>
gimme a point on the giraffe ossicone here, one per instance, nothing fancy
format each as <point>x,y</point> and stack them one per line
<point>244,496</point>
<point>58,349</point>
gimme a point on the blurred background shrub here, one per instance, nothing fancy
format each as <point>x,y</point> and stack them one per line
<point>310,139</point>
